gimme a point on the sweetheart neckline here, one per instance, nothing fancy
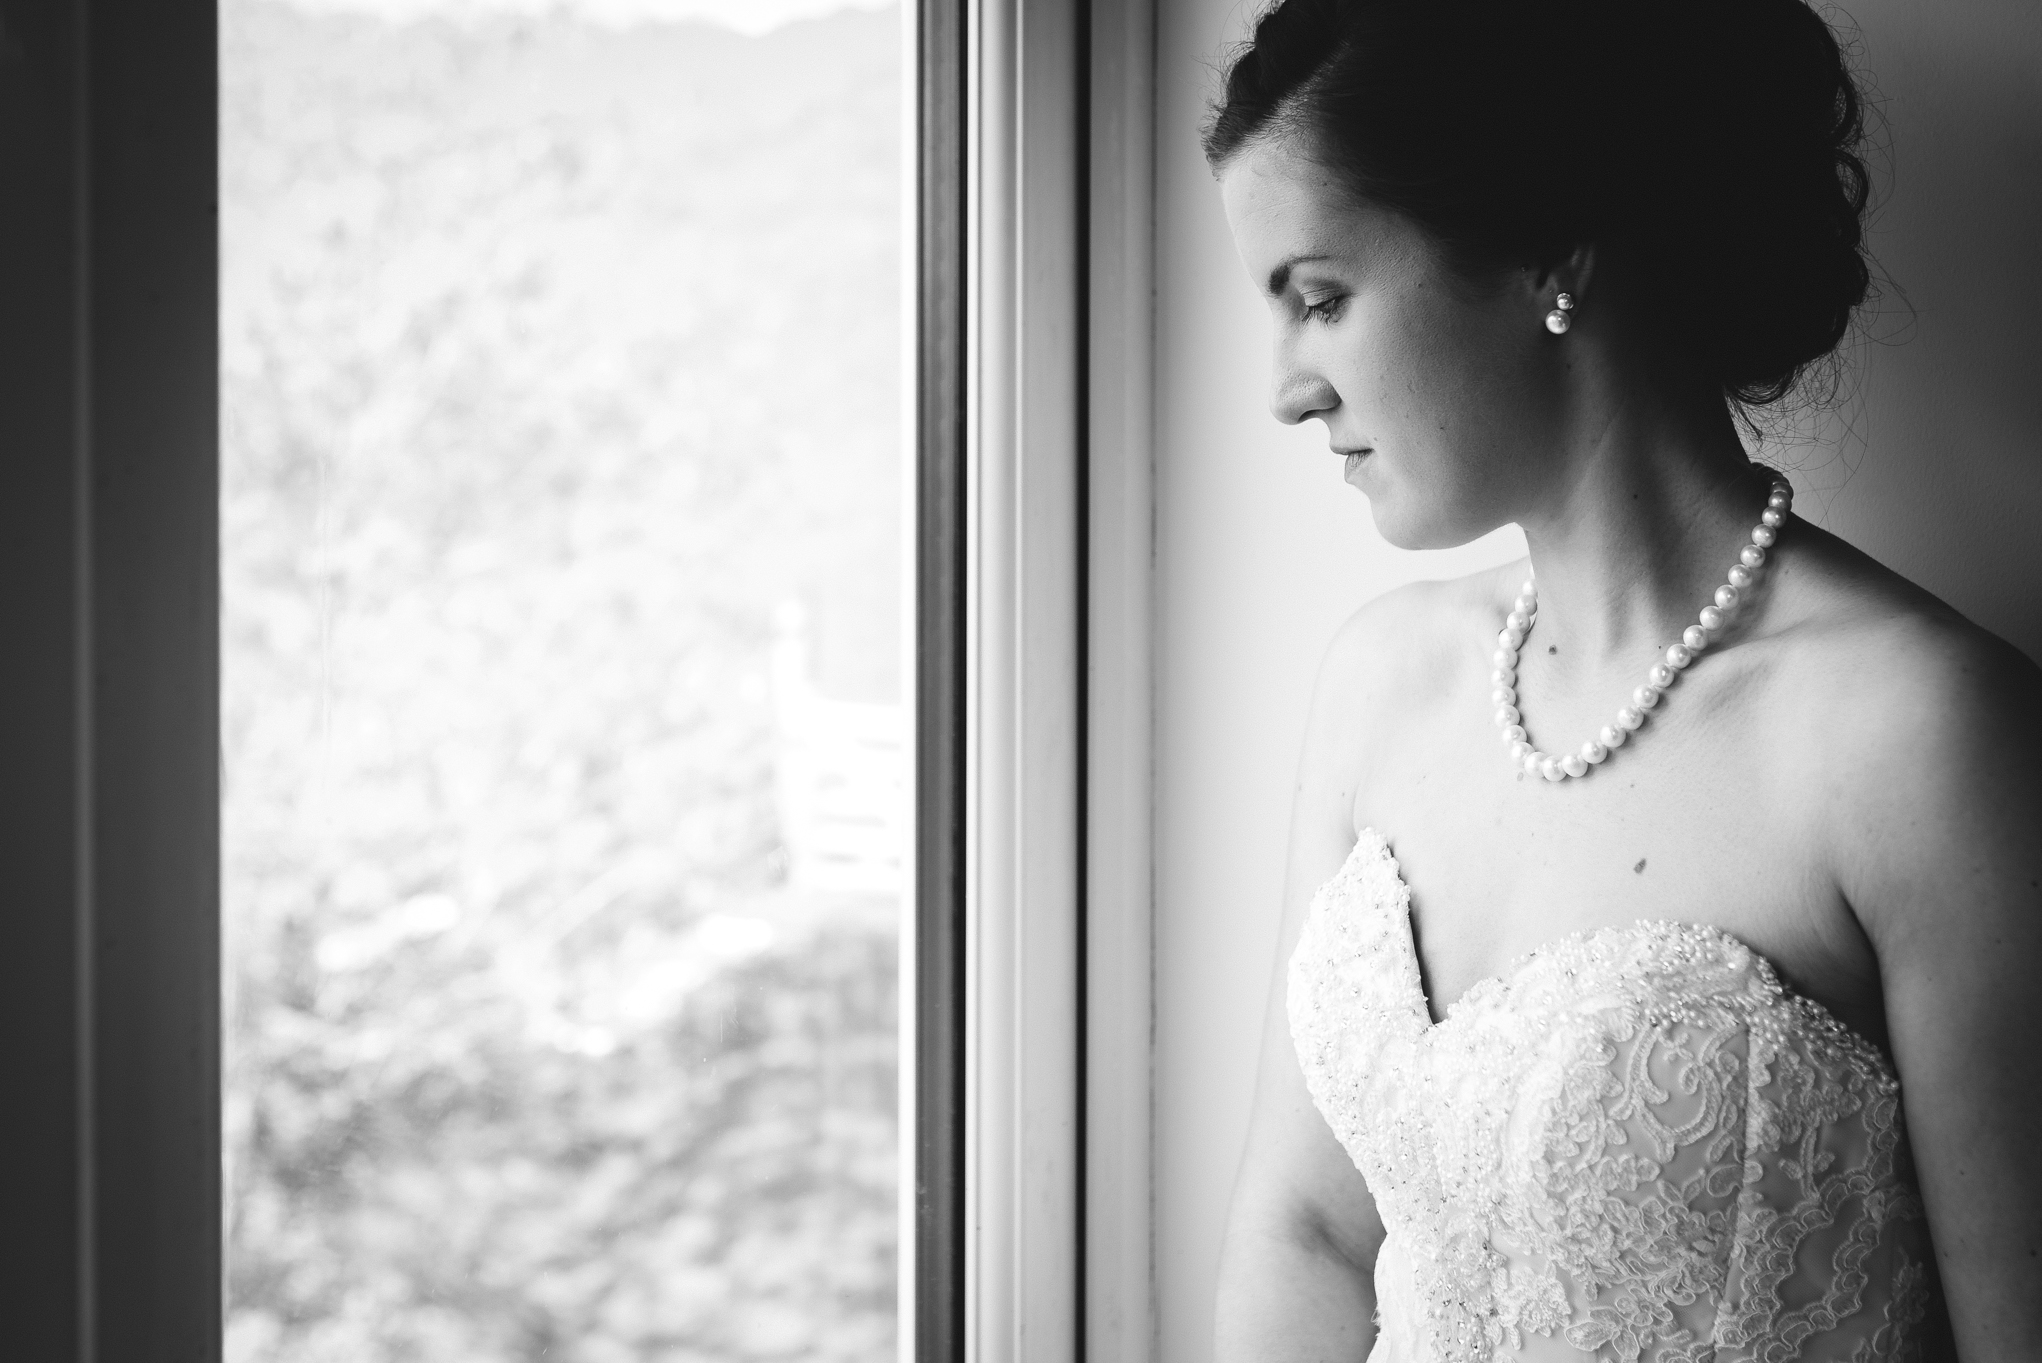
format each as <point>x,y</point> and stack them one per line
<point>1768,973</point>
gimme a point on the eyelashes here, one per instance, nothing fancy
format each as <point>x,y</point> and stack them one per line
<point>1326,310</point>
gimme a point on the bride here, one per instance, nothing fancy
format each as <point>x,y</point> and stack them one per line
<point>1661,970</point>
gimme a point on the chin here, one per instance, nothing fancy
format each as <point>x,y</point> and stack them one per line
<point>1407,526</point>
<point>1399,527</point>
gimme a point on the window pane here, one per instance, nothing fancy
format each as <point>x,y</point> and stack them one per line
<point>565,754</point>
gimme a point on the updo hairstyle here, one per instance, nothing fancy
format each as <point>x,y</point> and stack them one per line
<point>1718,143</point>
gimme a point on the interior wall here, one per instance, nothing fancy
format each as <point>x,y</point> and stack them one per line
<point>1933,465</point>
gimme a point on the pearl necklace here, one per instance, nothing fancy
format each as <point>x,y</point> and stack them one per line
<point>1714,618</point>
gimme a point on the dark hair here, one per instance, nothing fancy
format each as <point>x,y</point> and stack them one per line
<point>1720,143</point>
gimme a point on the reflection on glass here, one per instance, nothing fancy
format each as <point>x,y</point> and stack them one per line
<point>565,759</point>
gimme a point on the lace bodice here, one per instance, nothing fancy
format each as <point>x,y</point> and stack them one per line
<point>1632,1144</point>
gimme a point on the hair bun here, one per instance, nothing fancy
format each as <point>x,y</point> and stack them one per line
<point>1722,143</point>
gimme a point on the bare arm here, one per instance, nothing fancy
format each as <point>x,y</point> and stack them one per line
<point>1302,1230</point>
<point>1302,1233</point>
<point>1940,854</point>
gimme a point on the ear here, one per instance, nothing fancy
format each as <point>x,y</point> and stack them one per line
<point>1573,273</point>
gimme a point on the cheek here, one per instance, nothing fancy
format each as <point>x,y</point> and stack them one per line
<point>1453,395</point>
<point>1456,352</point>
<point>1460,376</point>
<point>1413,372</point>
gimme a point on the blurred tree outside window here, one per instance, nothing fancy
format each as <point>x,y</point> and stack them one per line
<point>565,759</point>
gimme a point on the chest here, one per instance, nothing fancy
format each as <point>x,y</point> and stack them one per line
<point>1699,820</point>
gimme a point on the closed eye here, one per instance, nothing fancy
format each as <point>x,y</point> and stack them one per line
<point>1326,309</point>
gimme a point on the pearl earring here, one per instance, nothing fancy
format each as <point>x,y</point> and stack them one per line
<point>1558,320</point>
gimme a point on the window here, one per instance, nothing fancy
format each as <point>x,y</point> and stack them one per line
<point>1029,1008</point>
<point>565,753</point>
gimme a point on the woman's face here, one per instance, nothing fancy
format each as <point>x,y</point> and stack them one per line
<point>1443,396</point>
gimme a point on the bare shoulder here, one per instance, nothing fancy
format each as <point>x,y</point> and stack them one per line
<point>1886,674</point>
<point>1915,726</point>
<point>1389,665</point>
<point>1401,647</point>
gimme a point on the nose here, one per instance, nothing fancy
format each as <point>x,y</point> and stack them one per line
<point>1298,395</point>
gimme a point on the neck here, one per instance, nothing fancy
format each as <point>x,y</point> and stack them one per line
<point>1637,532</point>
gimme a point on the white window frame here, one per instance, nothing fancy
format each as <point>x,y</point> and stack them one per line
<point>1120,1323</point>
<point>1058,509</point>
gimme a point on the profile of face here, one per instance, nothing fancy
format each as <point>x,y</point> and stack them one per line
<point>1447,396</point>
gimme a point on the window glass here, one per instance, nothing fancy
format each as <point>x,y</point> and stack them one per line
<point>565,760</point>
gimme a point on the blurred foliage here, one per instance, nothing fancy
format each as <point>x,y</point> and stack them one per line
<point>553,358</point>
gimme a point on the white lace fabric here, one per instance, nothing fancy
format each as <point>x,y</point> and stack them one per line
<point>1631,1145</point>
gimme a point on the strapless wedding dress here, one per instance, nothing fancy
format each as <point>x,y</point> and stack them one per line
<point>1632,1144</point>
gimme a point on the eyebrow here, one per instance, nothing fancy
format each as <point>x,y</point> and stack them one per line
<point>1280,276</point>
